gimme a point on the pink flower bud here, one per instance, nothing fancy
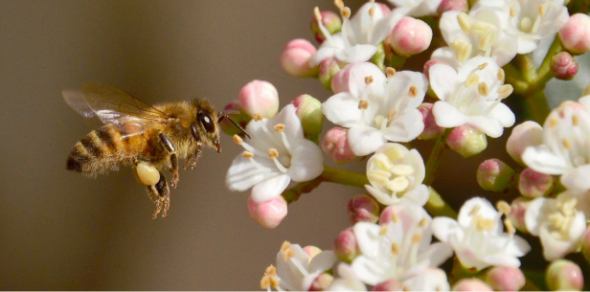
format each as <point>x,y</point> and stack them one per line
<point>586,244</point>
<point>268,214</point>
<point>523,135</point>
<point>472,284</point>
<point>335,144</point>
<point>260,97</point>
<point>564,275</point>
<point>467,141</point>
<point>575,34</point>
<point>309,111</point>
<point>321,282</point>
<point>312,251</point>
<point>295,58</point>
<point>452,5</point>
<point>533,184</point>
<point>431,129</point>
<point>331,22</point>
<point>430,63</point>
<point>564,66</point>
<point>362,208</point>
<point>388,285</point>
<point>505,278</point>
<point>242,118</point>
<point>495,175</point>
<point>328,69</point>
<point>345,246</point>
<point>410,36</point>
<point>517,210</point>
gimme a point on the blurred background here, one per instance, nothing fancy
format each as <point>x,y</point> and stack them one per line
<point>61,231</point>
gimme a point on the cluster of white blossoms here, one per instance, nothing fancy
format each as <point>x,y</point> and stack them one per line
<point>379,109</point>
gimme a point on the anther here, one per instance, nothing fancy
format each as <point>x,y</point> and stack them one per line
<point>390,72</point>
<point>279,127</point>
<point>383,230</point>
<point>501,75</point>
<point>339,3</point>
<point>257,117</point>
<point>505,90</point>
<point>317,14</point>
<point>395,249</point>
<point>553,122</point>
<point>482,66</point>
<point>273,153</point>
<point>247,154</point>
<point>575,120</point>
<point>416,238</point>
<point>503,207</point>
<point>541,10</point>
<point>567,144</point>
<point>512,11</point>
<point>286,245</point>
<point>237,139</point>
<point>413,91</point>
<point>346,12</point>
<point>423,222</point>
<point>363,104</point>
<point>372,11</point>
<point>368,80</point>
<point>265,282</point>
<point>509,226</point>
<point>483,89</point>
<point>394,218</point>
<point>287,254</point>
<point>472,80</point>
<point>270,271</point>
<point>391,114</point>
<point>464,22</point>
<point>474,210</point>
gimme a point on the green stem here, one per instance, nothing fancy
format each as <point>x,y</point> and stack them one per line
<point>515,78</point>
<point>544,73</point>
<point>537,107</point>
<point>436,206</point>
<point>435,155</point>
<point>527,67</point>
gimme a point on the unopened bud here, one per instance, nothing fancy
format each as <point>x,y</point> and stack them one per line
<point>335,144</point>
<point>345,246</point>
<point>328,69</point>
<point>331,22</point>
<point>505,278</point>
<point>564,66</point>
<point>309,111</point>
<point>495,175</point>
<point>259,97</point>
<point>321,282</point>
<point>564,275</point>
<point>268,214</point>
<point>575,34</point>
<point>362,208</point>
<point>242,118</point>
<point>586,244</point>
<point>295,58</point>
<point>467,140</point>
<point>410,36</point>
<point>523,135</point>
<point>533,184</point>
<point>431,129</point>
<point>517,211</point>
<point>388,285</point>
<point>472,284</point>
<point>452,5</point>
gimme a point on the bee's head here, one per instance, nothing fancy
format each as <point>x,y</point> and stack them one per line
<point>205,128</point>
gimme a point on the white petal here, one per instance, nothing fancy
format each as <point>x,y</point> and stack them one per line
<point>367,236</point>
<point>322,262</point>
<point>485,209</point>
<point>342,109</point>
<point>357,53</point>
<point>382,197</point>
<point>489,126</point>
<point>444,227</point>
<point>243,174</point>
<point>367,270</point>
<point>322,54</point>
<point>501,259</point>
<point>540,159</point>
<point>526,46</point>
<point>443,79</point>
<point>348,280</point>
<point>438,253</point>
<point>577,179</point>
<point>535,213</point>
<point>504,50</point>
<point>447,116</point>
<point>418,196</point>
<point>307,161</point>
<point>428,280</point>
<point>270,188</point>
<point>365,140</point>
<point>449,26</point>
<point>446,54</point>
<point>503,114</point>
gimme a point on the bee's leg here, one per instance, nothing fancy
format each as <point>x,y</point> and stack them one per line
<point>172,158</point>
<point>192,159</point>
<point>160,195</point>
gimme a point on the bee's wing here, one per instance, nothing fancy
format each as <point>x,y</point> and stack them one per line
<point>111,105</point>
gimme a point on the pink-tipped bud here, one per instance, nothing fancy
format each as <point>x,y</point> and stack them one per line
<point>331,22</point>
<point>321,282</point>
<point>242,118</point>
<point>309,111</point>
<point>431,129</point>
<point>362,208</point>
<point>564,66</point>
<point>345,246</point>
<point>472,284</point>
<point>467,140</point>
<point>575,34</point>
<point>564,275</point>
<point>430,63</point>
<point>295,58</point>
<point>533,184</point>
<point>523,135</point>
<point>505,278</point>
<point>268,214</point>
<point>328,69</point>
<point>388,285</point>
<point>586,244</point>
<point>335,144</point>
<point>260,97</point>
<point>495,175</point>
<point>516,216</point>
<point>410,36</point>
<point>452,5</point>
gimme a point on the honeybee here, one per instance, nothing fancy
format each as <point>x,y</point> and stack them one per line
<point>149,138</point>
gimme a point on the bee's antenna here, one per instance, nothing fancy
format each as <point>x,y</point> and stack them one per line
<point>225,115</point>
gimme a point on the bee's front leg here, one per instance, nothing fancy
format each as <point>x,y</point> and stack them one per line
<point>192,159</point>
<point>160,195</point>
<point>172,158</point>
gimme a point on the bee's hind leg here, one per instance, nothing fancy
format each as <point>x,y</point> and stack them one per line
<point>172,158</point>
<point>160,195</point>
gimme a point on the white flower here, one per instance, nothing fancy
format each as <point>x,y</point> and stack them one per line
<point>417,8</point>
<point>477,34</point>
<point>557,223</point>
<point>295,269</point>
<point>383,111</point>
<point>396,176</point>
<point>348,281</point>
<point>528,20</point>
<point>276,154</point>
<point>478,238</point>
<point>566,144</point>
<point>472,96</point>
<point>359,37</point>
<point>400,249</point>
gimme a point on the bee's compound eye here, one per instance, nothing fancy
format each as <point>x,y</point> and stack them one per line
<point>207,122</point>
<point>147,174</point>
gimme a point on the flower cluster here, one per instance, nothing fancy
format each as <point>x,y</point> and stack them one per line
<point>487,52</point>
